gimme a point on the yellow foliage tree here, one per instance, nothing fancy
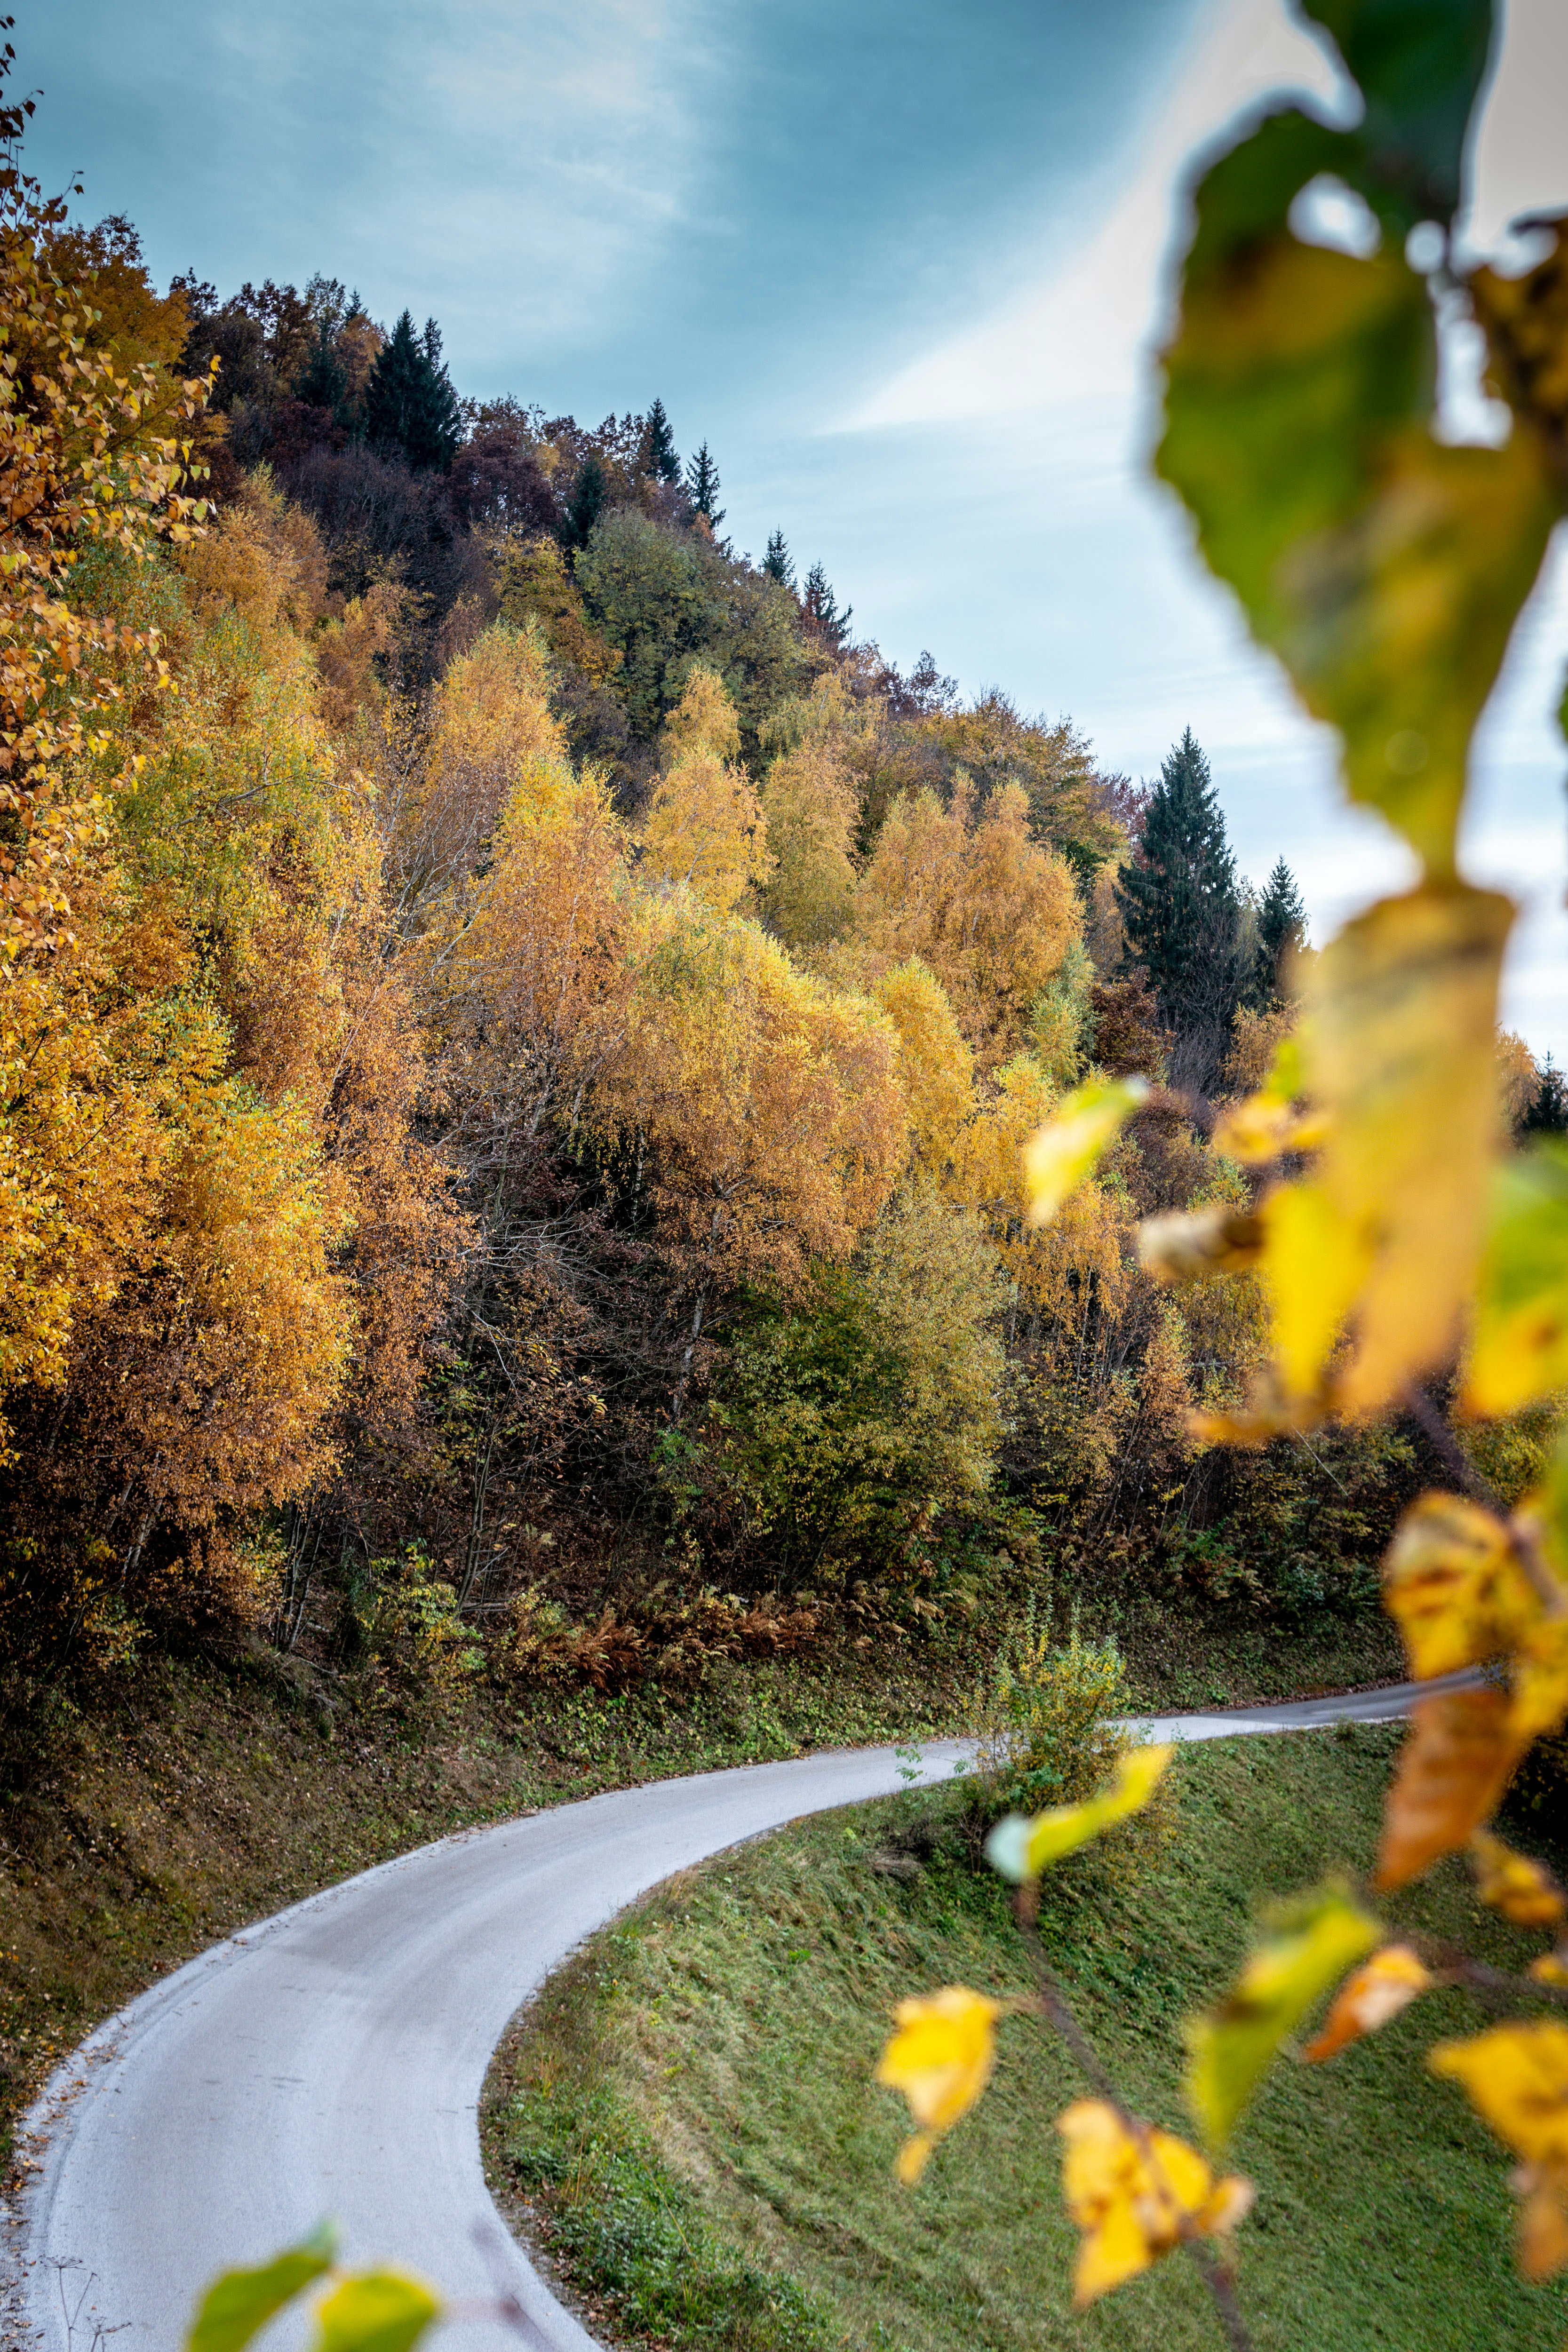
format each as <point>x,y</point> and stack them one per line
<point>989,911</point>
<point>810,808</point>
<point>705,827</point>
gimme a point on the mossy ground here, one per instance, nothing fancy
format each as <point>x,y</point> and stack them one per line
<point>688,2117</point>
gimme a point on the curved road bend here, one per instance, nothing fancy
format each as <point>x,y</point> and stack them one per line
<point>329,2060</point>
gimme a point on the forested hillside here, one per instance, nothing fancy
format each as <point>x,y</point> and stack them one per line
<point>519,1031</point>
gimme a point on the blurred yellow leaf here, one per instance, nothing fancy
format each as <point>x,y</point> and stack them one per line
<point>1552,1968</point>
<point>1465,1587</point>
<point>1314,1261</point>
<point>1453,1768</point>
<point>1267,1124</point>
<point>940,2058</point>
<point>1517,2075</point>
<point>1088,1123</point>
<point>1136,2194</point>
<point>376,2311</point>
<point>1187,1245</point>
<point>1400,1048</point>
<point>1519,1351</point>
<point>1452,1584</point>
<point>1020,1848</point>
<point>1388,1983</point>
<point>1310,1945</point>
<point>1522,1890</point>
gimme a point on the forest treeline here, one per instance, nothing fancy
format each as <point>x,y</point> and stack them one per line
<point>519,1031</point>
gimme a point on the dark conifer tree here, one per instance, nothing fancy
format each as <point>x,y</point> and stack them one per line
<point>821,609</point>
<point>1548,1113</point>
<point>1281,928</point>
<point>410,406</point>
<point>323,381</point>
<point>776,562</point>
<point>1181,915</point>
<point>702,487</point>
<point>586,505</point>
<point>657,456</point>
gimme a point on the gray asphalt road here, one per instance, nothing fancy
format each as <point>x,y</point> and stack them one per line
<point>329,2060</point>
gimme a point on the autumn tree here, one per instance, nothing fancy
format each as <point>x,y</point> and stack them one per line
<point>982,904</point>
<point>811,808</point>
<point>705,827</point>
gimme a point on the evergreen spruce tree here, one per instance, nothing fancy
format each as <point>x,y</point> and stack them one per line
<point>1181,913</point>
<point>1281,927</point>
<point>702,487</point>
<point>323,381</point>
<point>586,505</point>
<point>776,562</point>
<point>410,407</point>
<point>656,454</point>
<point>1547,1114</point>
<point>821,608</point>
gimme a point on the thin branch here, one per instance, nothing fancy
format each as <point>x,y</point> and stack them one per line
<point>1214,2274</point>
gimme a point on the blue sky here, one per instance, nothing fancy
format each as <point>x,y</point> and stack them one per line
<point>901,264</point>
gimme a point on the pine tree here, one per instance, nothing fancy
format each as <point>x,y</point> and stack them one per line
<point>776,562</point>
<point>702,487</point>
<point>657,456</point>
<point>586,503</point>
<point>822,613</point>
<point>1181,912</point>
<point>409,404</point>
<point>1281,927</point>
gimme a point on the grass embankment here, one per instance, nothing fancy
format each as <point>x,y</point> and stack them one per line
<point>189,1801</point>
<point>686,2118</point>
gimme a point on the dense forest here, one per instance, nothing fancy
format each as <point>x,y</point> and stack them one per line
<point>519,1029</point>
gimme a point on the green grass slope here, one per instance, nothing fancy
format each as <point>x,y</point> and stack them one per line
<point>686,2120</point>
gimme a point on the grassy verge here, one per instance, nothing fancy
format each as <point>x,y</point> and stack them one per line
<point>200,1801</point>
<point>687,2118</point>
<point>191,1802</point>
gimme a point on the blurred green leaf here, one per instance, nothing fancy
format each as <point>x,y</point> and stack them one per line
<point>1021,1848</point>
<point>1419,65</point>
<point>376,2311</point>
<point>1385,569</point>
<point>1312,1943</point>
<point>1520,1348</point>
<point>241,2302</point>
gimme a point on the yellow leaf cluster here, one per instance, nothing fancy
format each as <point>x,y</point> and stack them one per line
<point>1517,2075</point>
<point>1137,2193</point>
<point>941,2057</point>
<point>705,827</point>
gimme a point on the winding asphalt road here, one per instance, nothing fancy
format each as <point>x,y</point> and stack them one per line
<point>329,2060</point>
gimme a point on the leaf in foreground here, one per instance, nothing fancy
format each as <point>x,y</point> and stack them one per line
<point>1021,1848</point>
<point>1520,1351</point>
<point>940,2058</point>
<point>240,2302</point>
<point>376,2311</point>
<point>1136,2194</point>
<point>1312,1942</point>
<point>1521,1889</point>
<point>1386,1985</point>
<point>1063,1153</point>
<point>1517,2075</point>
<point>1456,1762</point>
